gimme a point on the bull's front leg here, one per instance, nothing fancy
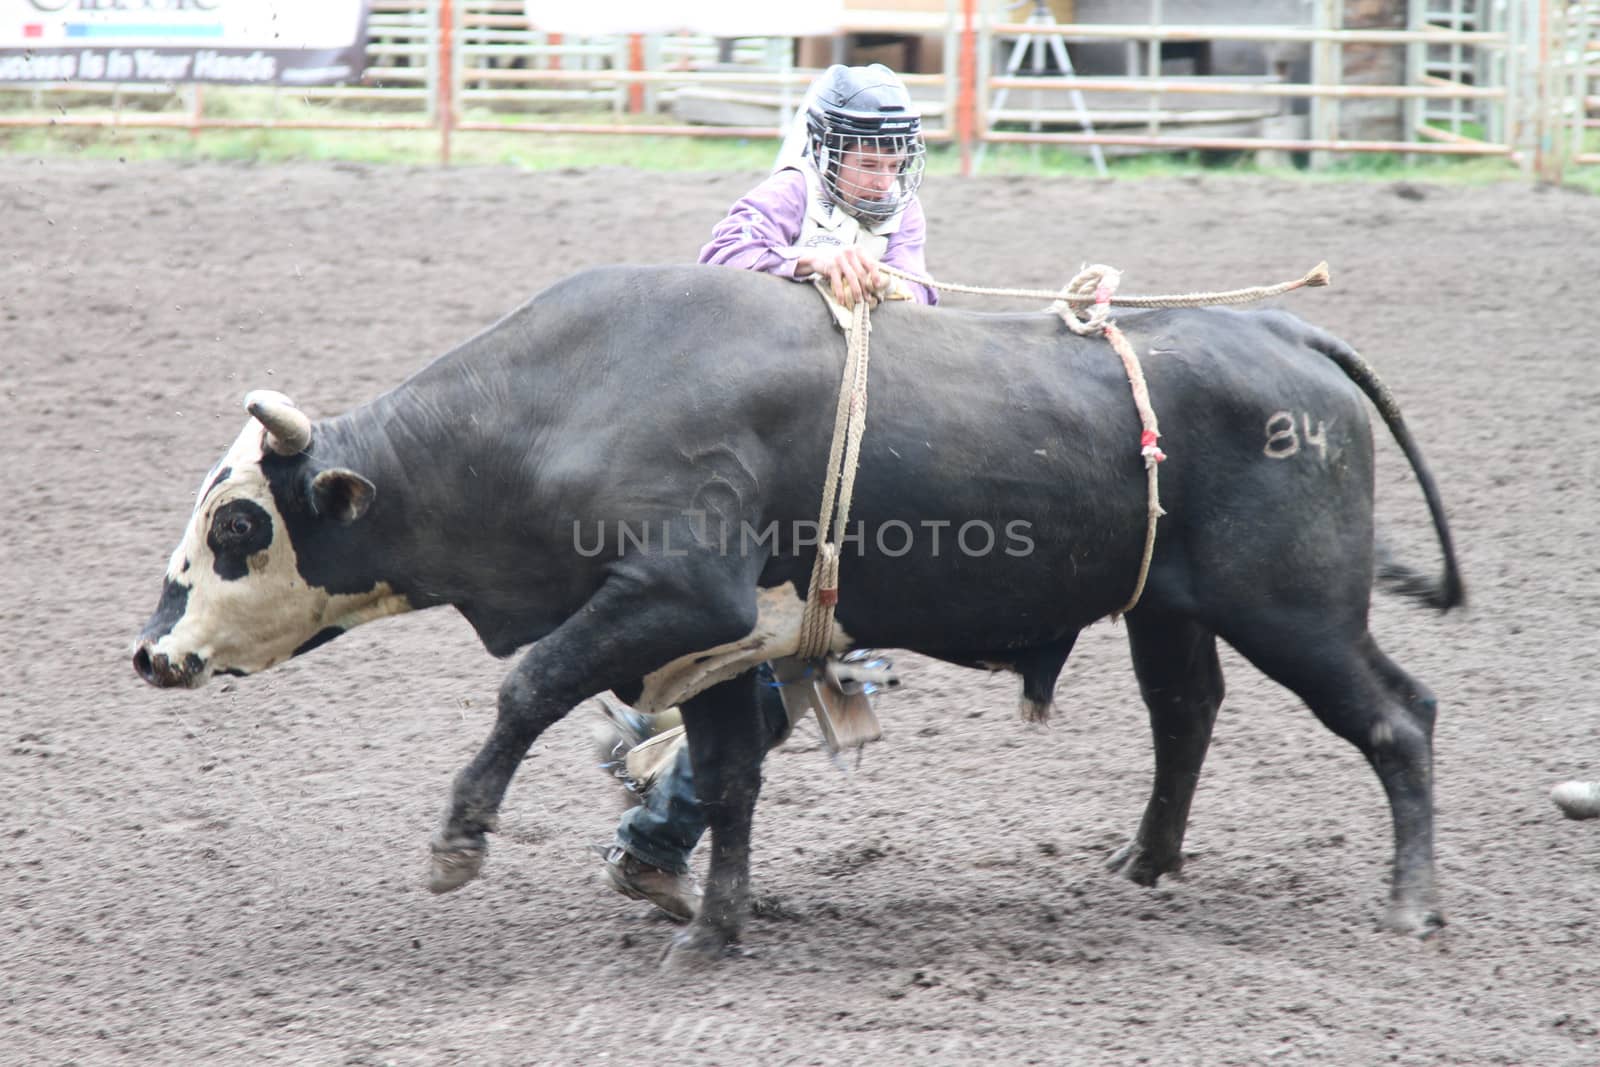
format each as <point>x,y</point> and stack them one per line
<point>727,740</point>
<point>627,629</point>
<point>526,709</point>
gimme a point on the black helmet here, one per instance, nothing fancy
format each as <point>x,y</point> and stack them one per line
<point>865,110</point>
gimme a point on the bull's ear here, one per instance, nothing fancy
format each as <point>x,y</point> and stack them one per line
<point>341,494</point>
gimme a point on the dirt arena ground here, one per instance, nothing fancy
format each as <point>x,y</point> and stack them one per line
<point>237,875</point>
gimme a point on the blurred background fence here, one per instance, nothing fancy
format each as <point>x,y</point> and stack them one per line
<point>1301,80</point>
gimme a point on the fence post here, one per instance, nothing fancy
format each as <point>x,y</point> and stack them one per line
<point>1414,115</point>
<point>1513,132</point>
<point>1548,161</point>
<point>446,106</point>
<point>1326,70</point>
<point>635,63</point>
<point>969,87</point>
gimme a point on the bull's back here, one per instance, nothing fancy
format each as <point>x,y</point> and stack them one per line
<point>963,406</point>
<point>704,385</point>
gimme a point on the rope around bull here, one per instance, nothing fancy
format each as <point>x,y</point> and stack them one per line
<point>1077,292</point>
<point>850,418</point>
<point>1092,290</point>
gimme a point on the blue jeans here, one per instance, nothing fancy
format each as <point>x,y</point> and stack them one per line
<point>664,828</point>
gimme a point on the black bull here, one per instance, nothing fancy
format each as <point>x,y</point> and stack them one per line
<point>616,475</point>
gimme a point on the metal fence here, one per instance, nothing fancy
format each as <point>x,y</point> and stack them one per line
<point>1503,78</point>
<point>1575,39</point>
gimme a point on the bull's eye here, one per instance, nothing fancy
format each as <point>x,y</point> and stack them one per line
<point>239,529</point>
<point>232,527</point>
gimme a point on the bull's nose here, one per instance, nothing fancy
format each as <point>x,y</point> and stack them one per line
<point>144,663</point>
<point>158,669</point>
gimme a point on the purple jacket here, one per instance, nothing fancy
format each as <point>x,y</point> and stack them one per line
<point>762,226</point>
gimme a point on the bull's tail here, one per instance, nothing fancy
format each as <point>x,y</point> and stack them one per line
<point>1446,591</point>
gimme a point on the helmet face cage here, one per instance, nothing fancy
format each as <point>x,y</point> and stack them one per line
<point>871,176</point>
<point>866,141</point>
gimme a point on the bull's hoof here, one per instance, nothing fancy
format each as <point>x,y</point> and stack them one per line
<point>696,948</point>
<point>455,863</point>
<point>1413,921</point>
<point>1133,862</point>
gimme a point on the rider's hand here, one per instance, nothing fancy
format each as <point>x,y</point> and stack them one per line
<point>852,274</point>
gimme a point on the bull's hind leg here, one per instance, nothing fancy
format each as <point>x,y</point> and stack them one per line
<point>727,740</point>
<point>1363,696</point>
<point>1176,663</point>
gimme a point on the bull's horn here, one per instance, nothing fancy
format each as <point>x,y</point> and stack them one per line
<point>288,428</point>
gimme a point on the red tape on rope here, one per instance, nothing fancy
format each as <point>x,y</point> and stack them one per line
<point>1148,447</point>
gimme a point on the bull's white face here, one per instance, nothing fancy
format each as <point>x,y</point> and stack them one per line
<point>235,600</point>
